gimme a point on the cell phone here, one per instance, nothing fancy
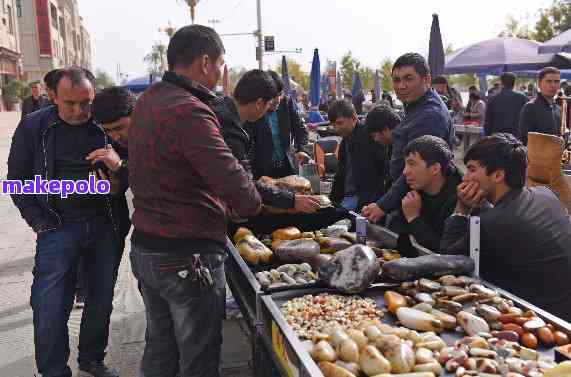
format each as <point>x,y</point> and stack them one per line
<point>99,166</point>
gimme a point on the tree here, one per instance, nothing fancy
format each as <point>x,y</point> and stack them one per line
<point>295,73</point>
<point>349,65</point>
<point>234,75</point>
<point>367,78</point>
<point>387,74</point>
<point>156,59</point>
<point>103,79</point>
<point>549,22</point>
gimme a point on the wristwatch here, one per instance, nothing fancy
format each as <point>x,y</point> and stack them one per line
<point>122,164</point>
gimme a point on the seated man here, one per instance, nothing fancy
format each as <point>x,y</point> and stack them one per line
<point>252,98</point>
<point>380,123</point>
<point>432,177</point>
<point>362,162</point>
<point>525,237</point>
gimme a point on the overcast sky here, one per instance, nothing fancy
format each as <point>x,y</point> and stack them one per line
<point>123,31</point>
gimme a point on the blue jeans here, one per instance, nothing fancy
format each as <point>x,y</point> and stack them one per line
<point>184,319</point>
<point>350,203</point>
<point>53,289</point>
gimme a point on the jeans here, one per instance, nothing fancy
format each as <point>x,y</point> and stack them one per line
<point>53,290</point>
<point>350,203</point>
<point>184,319</point>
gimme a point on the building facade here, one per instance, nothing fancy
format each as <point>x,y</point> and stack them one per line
<point>10,53</point>
<point>52,35</point>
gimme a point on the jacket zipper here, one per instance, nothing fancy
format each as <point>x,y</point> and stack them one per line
<point>107,200</point>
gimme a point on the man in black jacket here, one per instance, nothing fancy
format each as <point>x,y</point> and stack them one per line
<point>35,101</point>
<point>542,114</point>
<point>425,114</point>
<point>253,95</point>
<point>432,177</point>
<point>362,162</point>
<point>525,237</point>
<point>502,112</point>
<point>276,134</point>
<point>52,144</point>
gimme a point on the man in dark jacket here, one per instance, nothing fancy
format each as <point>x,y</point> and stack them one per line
<point>432,177</point>
<point>252,97</point>
<point>502,112</point>
<point>361,172</point>
<point>276,134</point>
<point>525,237</point>
<point>185,183</point>
<point>52,144</point>
<point>35,101</point>
<point>425,114</point>
<point>542,114</point>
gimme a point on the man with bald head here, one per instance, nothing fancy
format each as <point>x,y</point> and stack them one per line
<point>53,143</point>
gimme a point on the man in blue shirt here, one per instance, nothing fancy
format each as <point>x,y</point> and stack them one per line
<point>279,137</point>
<point>425,114</point>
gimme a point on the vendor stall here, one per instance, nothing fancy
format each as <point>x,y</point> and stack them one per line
<point>293,333</point>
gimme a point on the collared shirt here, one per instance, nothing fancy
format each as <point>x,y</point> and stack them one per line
<point>272,118</point>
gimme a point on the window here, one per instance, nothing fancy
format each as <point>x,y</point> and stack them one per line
<point>62,28</point>
<point>19,8</point>
<point>53,11</point>
<point>10,20</point>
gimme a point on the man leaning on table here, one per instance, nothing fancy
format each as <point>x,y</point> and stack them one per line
<point>524,237</point>
<point>425,114</point>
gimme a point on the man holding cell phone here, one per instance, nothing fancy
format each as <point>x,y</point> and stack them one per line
<point>53,143</point>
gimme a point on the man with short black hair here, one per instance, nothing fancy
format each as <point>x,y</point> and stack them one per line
<point>361,174</point>
<point>440,84</point>
<point>252,98</point>
<point>542,114</point>
<point>432,178</point>
<point>524,237</point>
<point>380,123</point>
<point>49,84</point>
<point>53,143</point>
<point>425,114</point>
<point>502,111</point>
<point>279,137</point>
<point>186,184</point>
<point>35,101</point>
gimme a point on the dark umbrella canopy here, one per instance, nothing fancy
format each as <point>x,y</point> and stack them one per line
<point>498,55</point>
<point>560,43</point>
<point>139,84</point>
<point>436,59</point>
<point>314,80</point>
<point>285,76</point>
<point>357,89</point>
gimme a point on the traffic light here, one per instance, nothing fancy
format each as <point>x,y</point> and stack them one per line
<point>269,43</point>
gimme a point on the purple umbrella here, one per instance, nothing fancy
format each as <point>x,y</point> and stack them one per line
<point>435,49</point>
<point>560,43</point>
<point>498,55</point>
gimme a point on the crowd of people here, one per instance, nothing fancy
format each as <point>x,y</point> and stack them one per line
<point>193,161</point>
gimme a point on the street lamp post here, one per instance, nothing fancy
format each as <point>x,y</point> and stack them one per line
<point>192,4</point>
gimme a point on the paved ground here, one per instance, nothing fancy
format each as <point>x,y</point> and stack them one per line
<point>17,245</point>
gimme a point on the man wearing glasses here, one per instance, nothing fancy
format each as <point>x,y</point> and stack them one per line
<point>278,137</point>
<point>54,143</point>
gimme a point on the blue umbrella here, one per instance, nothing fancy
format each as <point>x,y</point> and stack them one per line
<point>498,55</point>
<point>314,80</point>
<point>377,85</point>
<point>560,43</point>
<point>357,89</point>
<point>285,76</point>
<point>139,84</point>
<point>436,59</point>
